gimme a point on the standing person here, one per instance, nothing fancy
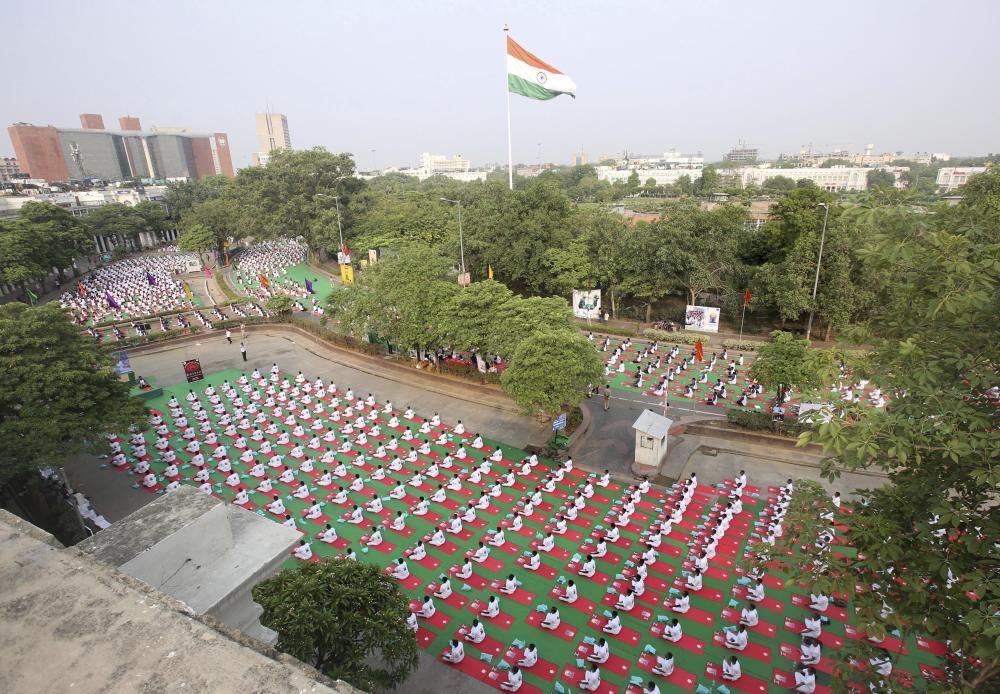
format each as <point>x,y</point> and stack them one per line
<point>243,331</point>
<point>607,396</point>
<point>243,350</point>
<point>229,336</point>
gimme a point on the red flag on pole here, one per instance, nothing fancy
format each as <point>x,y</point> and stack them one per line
<point>699,351</point>
<point>264,282</point>
<point>83,290</point>
<point>746,297</point>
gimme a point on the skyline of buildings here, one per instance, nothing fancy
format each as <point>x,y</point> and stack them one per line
<point>58,154</point>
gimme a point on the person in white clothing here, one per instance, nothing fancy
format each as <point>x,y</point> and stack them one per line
<point>748,615</point>
<point>813,627</point>
<point>444,590</point>
<point>682,603</point>
<point>514,680</point>
<point>530,657</point>
<point>805,679</point>
<point>303,551</point>
<point>492,608</point>
<point>466,570</point>
<point>589,567</point>
<point>455,653</point>
<point>673,631</point>
<point>737,639</point>
<point>613,625</point>
<point>694,581</point>
<point>427,608</point>
<point>329,535</point>
<point>552,620</point>
<point>481,554</point>
<point>626,601</point>
<point>476,633</point>
<point>591,678</point>
<point>664,665</point>
<point>820,602</point>
<point>599,652</point>
<point>569,594</point>
<point>400,570</point>
<point>731,670</point>
<point>756,592</point>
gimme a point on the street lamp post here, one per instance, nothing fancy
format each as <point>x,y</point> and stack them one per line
<point>340,228</point>
<point>819,262</point>
<point>461,239</point>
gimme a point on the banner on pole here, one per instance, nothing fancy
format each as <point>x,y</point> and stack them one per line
<point>347,274</point>
<point>559,422</point>
<point>587,303</point>
<point>703,318</point>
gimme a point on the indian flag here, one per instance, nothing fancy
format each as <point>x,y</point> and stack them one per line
<point>530,76</point>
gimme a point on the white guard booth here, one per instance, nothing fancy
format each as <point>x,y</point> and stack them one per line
<point>651,432</point>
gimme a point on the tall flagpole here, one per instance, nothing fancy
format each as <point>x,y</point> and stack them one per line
<point>510,151</point>
<point>741,325</point>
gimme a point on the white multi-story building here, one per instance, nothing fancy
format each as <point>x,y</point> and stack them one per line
<point>670,160</point>
<point>833,178</point>
<point>439,164</point>
<point>662,177</point>
<point>951,177</point>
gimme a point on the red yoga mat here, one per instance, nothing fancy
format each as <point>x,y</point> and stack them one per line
<point>763,628</point>
<point>456,599</point>
<point>932,646</point>
<point>566,632</point>
<point>753,650</point>
<point>833,612</point>
<point>706,591</point>
<point>679,677</point>
<point>639,612</point>
<point>786,680</point>
<point>543,570</point>
<point>446,548</point>
<point>598,577</point>
<point>581,603</point>
<point>626,635</point>
<point>501,621</point>
<point>614,663</point>
<point>768,603</point>
<point>470,665</point>
<point>791,652</point>
<point>543,668</point>
<point>890,643</point>
<point>425,637</point>
<point>826,638</point>
<point>746,683</point>
<point>695,614</point>
<point>520,595</point>
<point>687,642</point>
<point>573,676</point>
<point>383,547</point>
<point>476,581</point>
<point>487,645</point>
<point>411,582</point>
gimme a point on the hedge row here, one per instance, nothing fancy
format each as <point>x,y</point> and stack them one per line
<point>743,345</point>
<point>680,337</point>
<point>755,420</point>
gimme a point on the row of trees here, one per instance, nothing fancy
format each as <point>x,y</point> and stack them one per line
<point>540,243</point>
<point>44,237</point>
<point>412,299</point>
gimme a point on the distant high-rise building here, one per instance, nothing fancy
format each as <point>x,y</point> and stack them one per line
<point>439,164</point>
<point>272,135</point>
<point>741,152</point>
<point>64,154</point>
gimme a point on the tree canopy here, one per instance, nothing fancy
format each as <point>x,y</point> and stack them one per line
<point>59,390</point>
<point>550,370</point>
<point>345,618</point>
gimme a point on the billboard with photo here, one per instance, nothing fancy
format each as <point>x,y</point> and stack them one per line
<point>704,318</point>
<point>587,303</point>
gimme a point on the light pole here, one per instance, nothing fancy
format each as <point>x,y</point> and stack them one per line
<point>461,239</point>
<point>819,262</point>
<point>340,228</point>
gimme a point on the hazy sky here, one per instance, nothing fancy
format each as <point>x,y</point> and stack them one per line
<point>404,77</point>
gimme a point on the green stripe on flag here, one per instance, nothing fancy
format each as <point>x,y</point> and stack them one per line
<point>531,90</point>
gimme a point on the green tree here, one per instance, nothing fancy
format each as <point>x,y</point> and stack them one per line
<point>154,217</point>
<point>778,184</point>
<point>709,181</point>
<point>295,195</point>
<point>788,360</point>
<point>471,317</point>
<point>116,221</point>
<point>280,305</point>
<point>520,318</point>
<point>880,178</point>
<point>22,253</point>
<point>404,298</point>
<point>63,236</point>
<point>198,238</point>
<point>345,618</point>
<point>58,390</point>
<point>934,527</point>
<point>221,216</point>
<point>181,196</point>
<point>685,185</point>
<point>550,370</point>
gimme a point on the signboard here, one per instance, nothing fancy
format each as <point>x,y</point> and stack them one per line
<point>587,303</point>
<point>372,256</point>
<point>192,265</point>
<point>347,274</point>
<point>122,365</point>
<point>192,370</point>
<point>559,422</point>
<point>703,318</point>
<point>464,279</point>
